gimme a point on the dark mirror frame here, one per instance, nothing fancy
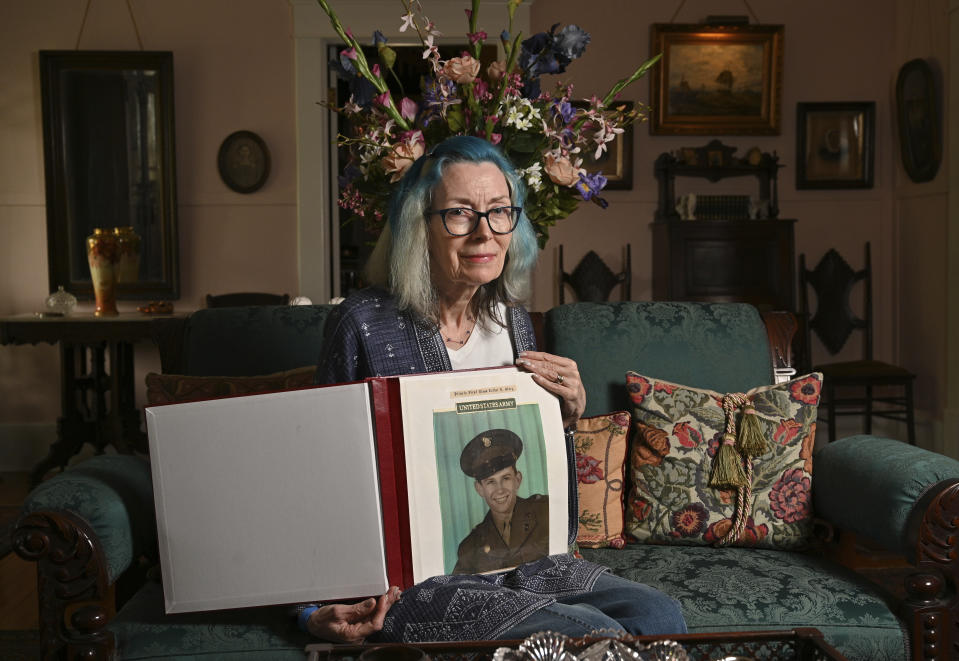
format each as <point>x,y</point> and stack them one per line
<point>69,221</point>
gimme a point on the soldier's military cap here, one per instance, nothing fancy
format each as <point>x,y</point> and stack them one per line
<point>489,452</point>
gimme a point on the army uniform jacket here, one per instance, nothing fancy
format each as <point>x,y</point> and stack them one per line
<point>484,550</point>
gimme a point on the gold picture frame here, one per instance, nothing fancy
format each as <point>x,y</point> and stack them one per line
<point>716,79</point>
<point>616,163</point>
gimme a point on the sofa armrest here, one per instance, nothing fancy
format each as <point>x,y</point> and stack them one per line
<point>84,528</point>
<point>879,487</point>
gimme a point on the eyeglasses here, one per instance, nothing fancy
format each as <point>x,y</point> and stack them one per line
<point>460,221</point>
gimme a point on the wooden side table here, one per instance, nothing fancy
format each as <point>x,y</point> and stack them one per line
<point>97,396</point>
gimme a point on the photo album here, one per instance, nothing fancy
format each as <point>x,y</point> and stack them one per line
<point>339,492</point>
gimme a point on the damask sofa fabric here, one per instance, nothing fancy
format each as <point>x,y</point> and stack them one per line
<point>255,340</point>
<point>865,483</point>
<point>720,347</point>
<point>744,589</point>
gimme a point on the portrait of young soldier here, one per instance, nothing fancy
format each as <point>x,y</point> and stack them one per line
<point>515,530</point>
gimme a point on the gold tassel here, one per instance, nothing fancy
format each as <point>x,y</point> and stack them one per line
<point>752,442</point>
<point>727,466</point>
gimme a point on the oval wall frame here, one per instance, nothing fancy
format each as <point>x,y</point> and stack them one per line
<point>920,139</point>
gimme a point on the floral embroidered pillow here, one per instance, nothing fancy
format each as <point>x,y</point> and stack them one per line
<point>601,444</point>
<point>685,438</point>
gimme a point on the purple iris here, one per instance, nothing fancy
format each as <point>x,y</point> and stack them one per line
<point>350,174</point>
<point>565,110</point>
<point>361,89</point>
<point>590,184</point>
<point>434,101</point>
<point>378,38</point>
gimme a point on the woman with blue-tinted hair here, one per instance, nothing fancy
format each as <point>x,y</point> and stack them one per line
<point>449,273</point>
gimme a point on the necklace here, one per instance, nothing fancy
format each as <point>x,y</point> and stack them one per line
<point>456,341</point>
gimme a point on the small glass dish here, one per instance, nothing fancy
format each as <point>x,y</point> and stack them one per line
<point>60,302</point>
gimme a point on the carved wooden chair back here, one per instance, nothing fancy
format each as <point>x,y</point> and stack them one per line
<point>850,387</point>
<point>592,280</point>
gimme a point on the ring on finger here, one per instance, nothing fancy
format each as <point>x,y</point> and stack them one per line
<point>559,379</point>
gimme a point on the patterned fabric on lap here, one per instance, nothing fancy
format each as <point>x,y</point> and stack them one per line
<point>601,443</point>
<point>722,469</point>
<point>174,388</point>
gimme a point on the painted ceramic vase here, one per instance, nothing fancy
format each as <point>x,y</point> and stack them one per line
<point>128,250</point>
<point>103,256</point>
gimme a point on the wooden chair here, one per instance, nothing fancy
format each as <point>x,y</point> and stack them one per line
<point>592,280</point>
<point>245,298</point>
<point>850,387</point>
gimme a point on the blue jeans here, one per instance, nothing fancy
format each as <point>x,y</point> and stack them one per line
<point>615,604</point>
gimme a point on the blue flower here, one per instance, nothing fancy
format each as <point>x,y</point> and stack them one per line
<point>435,101</point>
<point>379,39</point>
<point>590,185</point>
<point>570,43</point>
<point>350,174</point>
<point>536,55</point>
<point>565,110</point>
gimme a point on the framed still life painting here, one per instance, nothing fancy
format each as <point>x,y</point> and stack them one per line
<point>834,145</point>
<point>716,79</point>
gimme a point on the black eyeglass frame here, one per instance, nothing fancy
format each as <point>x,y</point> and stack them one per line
<point>517,212</point>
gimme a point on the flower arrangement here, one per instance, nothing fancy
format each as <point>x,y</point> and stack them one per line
<point>545,134</point>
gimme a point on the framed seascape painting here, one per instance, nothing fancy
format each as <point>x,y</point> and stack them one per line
<point>834,145</point>
<point>716,79</point>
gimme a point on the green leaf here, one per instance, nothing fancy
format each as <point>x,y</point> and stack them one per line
<point>387,56</point>
<point>455,120</point>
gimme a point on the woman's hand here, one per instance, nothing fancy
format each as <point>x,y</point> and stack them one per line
<point>340,623</point>
<point>560,376</point>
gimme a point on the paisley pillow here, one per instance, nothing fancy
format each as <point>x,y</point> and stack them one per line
<point>601,444</point>
<point>695,478</point>
<point>175,388</point>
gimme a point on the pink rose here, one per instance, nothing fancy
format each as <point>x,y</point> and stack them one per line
<point>561,171</point>
<point>408,108</point>
<point>403,154</point>
<point>496,70</point>
<point>461,70</point>
<point>786,431</point>
<point>687,435</point>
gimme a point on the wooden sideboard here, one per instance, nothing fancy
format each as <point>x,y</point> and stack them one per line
<point>736,258</point>
<point>751,261</point>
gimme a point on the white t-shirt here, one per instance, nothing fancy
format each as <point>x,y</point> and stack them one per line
<point>487,346</point>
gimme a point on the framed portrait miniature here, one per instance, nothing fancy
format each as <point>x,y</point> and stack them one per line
<point>244,162</point>
<point>716,79</point>
<point>834,145</point>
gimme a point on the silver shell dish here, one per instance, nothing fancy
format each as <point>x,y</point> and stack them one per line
<point>551,646</point>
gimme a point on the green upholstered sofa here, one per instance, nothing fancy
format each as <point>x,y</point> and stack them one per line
<point>92,532</point>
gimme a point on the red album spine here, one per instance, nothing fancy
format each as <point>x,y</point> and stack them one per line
<point>388,417</point>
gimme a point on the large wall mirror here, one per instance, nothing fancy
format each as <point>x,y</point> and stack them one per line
<point>108,136</point>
